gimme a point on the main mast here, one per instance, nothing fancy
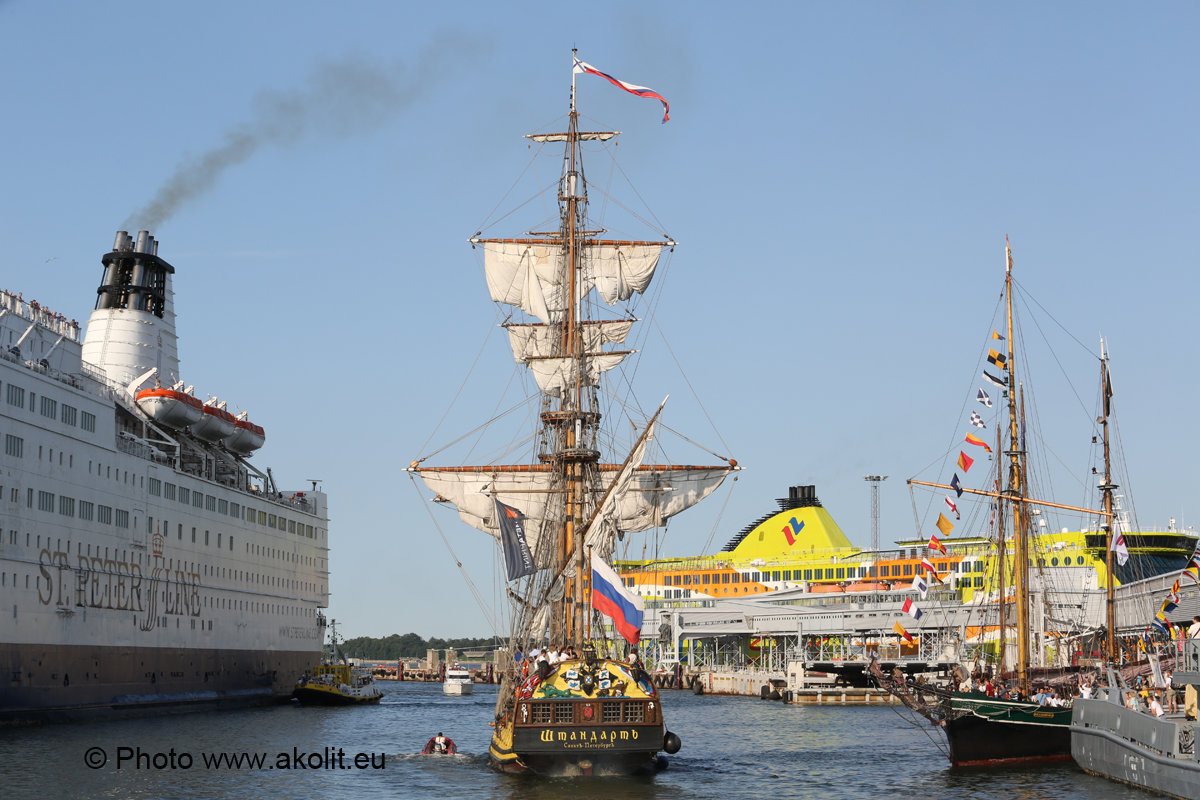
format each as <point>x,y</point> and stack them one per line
<point>573,457</point>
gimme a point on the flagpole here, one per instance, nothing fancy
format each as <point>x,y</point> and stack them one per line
<point>574,58</point>
<point>591,609</point>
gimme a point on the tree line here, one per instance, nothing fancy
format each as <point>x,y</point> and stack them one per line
<point>409,645</point>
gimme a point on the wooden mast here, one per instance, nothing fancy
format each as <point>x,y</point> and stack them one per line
<point>1000,572</point>
<point>1016,489</point>
<point>1106,489</point>
<point>573,590</point>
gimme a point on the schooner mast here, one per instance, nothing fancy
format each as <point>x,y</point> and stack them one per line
<point>1110,529</point>
<point>1016,488</point>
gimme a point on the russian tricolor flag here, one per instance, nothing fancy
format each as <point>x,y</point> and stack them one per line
<point>612,599</point>
<point>632,88</point>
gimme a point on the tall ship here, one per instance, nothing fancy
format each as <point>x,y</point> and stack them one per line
<point>146,564</point>
<point>999,715</point>
<point>586,479</point>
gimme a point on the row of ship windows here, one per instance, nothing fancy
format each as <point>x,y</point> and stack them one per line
<point>119,518</point>
<point>668,594</point>
<point>169,491</point>
<point>833,573</point>
<point>15,446</point>
<point>50,408</point>
<point>205,570</point>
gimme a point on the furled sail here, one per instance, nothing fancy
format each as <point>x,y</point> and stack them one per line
<point>471,490</point>
<point>553,375</point>
<point>618,270</point>
<point>653,494</point>
<point>530,275</point>
<point>527,276</point>
<point>658,492</point>
<point>539,341</point>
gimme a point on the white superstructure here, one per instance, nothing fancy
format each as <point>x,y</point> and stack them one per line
<point>458,681</point>
<point>140,567</point>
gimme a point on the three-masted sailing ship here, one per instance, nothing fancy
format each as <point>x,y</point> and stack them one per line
<point>559,515</point>
<point>986,730</point>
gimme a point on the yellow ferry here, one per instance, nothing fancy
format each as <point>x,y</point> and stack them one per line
<point>801,549</point>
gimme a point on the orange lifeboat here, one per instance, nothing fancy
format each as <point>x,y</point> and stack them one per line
<point>170,407</point>
<point>247,438</point>
<point>216,424</point>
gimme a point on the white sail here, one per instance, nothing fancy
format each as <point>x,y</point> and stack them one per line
<point>471,490</point>
<point>657,493</point>
<point>539,341</point>
<point>650,495</point>
<point>527,276</point>
<point>601,534</point>
<point>555,374</point>
<point>617,270</point>
<point>530,276</point>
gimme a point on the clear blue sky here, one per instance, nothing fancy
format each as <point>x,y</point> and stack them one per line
<point>840,178</point>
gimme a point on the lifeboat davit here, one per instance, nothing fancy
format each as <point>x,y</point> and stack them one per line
<point>247,438</point>
<point>170,407</point>
<point>216,424</point>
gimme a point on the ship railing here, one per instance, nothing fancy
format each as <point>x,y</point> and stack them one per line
<point>135,448</point>
<point>1140,728</point>
<point>32,312</point>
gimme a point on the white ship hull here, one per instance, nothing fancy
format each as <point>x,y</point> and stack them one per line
<point>139,571</point>
<point>458,687</point>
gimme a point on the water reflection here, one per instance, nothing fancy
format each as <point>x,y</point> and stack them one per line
<point>738,748</point>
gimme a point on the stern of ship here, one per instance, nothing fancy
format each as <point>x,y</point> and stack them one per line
<point>583,719</point>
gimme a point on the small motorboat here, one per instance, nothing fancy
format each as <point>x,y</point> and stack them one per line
<point>439,746</point>
<point>458,681</point>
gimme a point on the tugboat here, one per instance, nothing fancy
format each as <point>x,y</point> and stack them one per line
<point>334,682</point>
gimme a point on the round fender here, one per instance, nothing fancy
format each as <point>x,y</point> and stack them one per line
<point>671,743</point>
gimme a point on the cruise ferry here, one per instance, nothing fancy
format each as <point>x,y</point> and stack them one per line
<point>800,552</point>
<point>146,565</point>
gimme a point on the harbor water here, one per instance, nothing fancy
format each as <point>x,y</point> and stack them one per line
<point>733,747</point>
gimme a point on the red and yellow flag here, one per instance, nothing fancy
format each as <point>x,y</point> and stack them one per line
<point>935,544</point>
<point>975,440</point>
<point>965,461</point>
<point>898,628</point>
